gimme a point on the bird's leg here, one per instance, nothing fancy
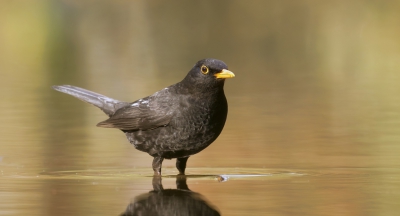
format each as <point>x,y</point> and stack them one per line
<point>157,163</point>
<point>157,184</point>
<point>181,165</point>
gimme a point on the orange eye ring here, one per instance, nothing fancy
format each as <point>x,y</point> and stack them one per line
<point>204,69</point>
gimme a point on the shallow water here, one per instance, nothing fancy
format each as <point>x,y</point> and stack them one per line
<point>349,191</point>
<point>314,112</point>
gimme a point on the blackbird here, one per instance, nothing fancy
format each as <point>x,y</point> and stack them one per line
<point>175,122</point>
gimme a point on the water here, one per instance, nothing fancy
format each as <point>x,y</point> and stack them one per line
<point>313,124</point>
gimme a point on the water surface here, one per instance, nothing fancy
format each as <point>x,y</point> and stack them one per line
<point>313,124</point>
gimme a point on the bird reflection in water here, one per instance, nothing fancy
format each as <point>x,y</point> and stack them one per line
<point>160,201</point>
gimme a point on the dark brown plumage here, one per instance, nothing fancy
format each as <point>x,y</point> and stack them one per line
<point>175,122</point>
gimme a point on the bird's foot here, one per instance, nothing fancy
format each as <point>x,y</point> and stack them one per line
<point>157,163</point>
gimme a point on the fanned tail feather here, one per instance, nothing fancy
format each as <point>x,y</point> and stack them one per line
<point>108,105</point>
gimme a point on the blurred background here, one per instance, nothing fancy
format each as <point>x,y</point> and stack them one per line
<point>316,89</point>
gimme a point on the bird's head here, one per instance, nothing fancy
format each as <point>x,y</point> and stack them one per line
<point>208,73</point>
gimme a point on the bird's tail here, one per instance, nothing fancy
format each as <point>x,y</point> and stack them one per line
<point>108,105</point>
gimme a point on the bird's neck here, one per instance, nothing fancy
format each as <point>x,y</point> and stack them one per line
<point>197,88</point>
<point>189,85</point>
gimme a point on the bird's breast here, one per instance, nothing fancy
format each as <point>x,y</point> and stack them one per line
<point>201,120</point>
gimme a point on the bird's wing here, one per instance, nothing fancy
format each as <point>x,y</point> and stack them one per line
<point>140,115</point>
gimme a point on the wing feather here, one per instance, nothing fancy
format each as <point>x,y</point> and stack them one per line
<point>139,115</point>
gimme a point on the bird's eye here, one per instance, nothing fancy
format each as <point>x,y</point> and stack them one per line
<point>204,69</point>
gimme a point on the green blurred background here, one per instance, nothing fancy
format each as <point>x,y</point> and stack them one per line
<point>316,86</point>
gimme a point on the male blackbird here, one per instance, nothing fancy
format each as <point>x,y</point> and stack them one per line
<point>175,122</point>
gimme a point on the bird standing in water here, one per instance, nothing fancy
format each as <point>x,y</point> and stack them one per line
<point>175,122</point>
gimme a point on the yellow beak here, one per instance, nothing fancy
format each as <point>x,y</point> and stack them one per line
<point>224,74</point>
